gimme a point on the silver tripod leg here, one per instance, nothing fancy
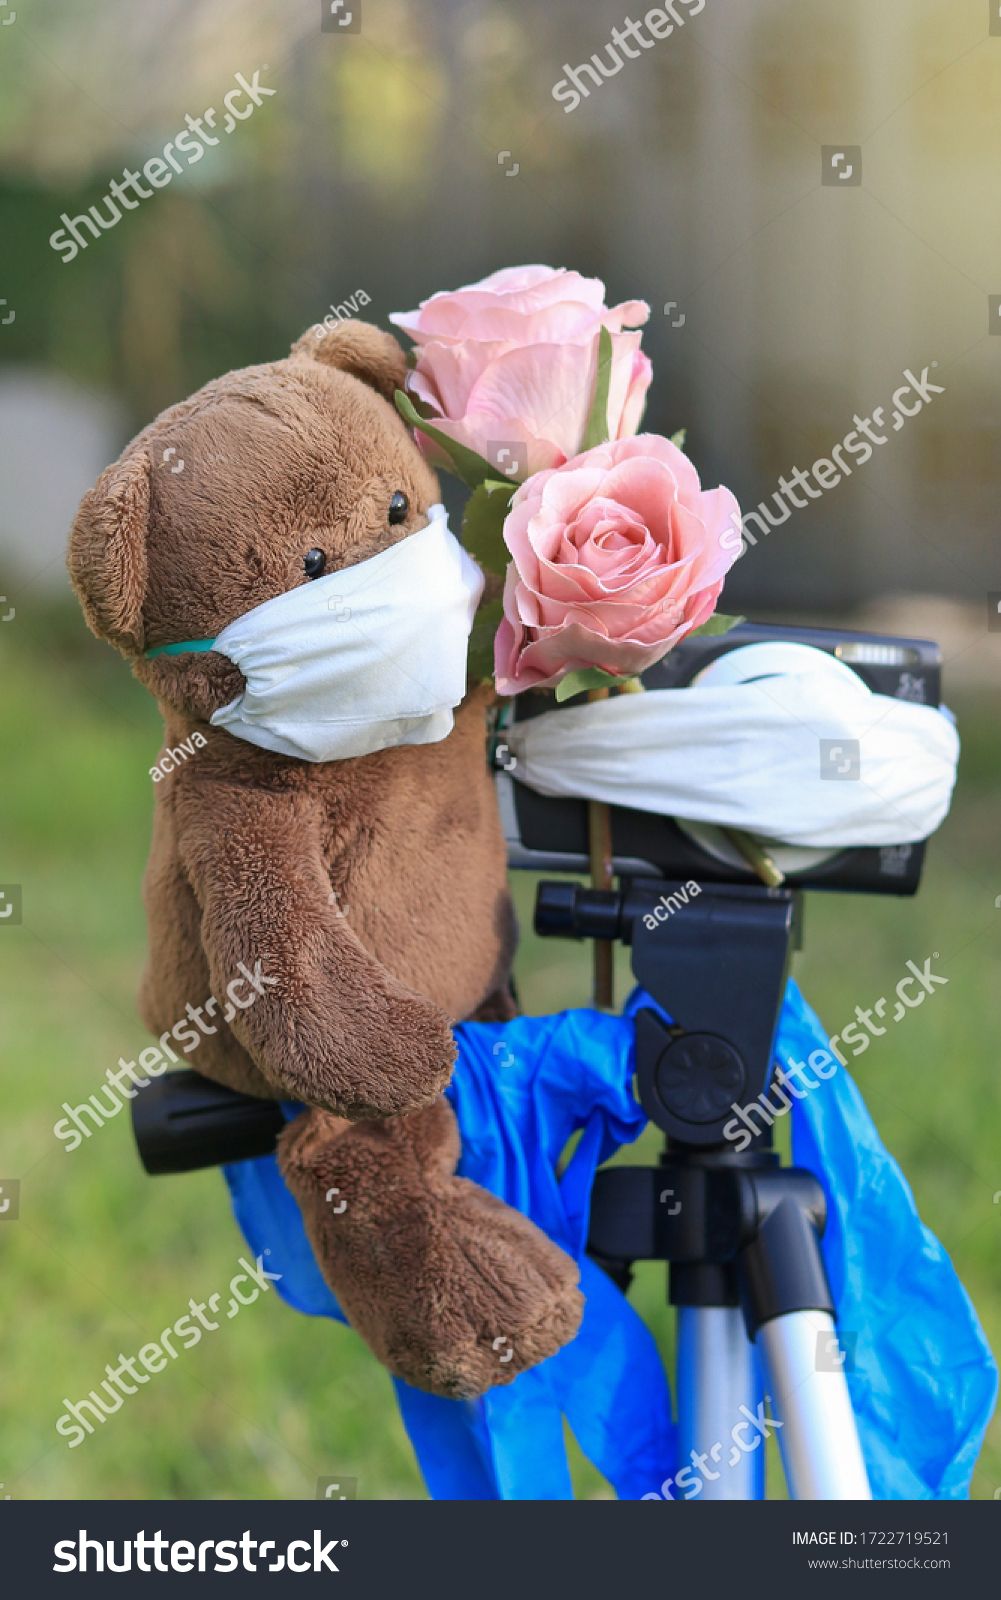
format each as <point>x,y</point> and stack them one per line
<point>717,1371</point>
<point>818,1437</point>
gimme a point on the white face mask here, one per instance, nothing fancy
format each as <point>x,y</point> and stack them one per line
<point>750,746</point>
<point>371,656</point>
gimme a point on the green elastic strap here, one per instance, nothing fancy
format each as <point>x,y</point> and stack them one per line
<point>181,647</point>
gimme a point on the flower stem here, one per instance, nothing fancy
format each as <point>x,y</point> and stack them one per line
<point>599,841</point>
<point>757,857</point>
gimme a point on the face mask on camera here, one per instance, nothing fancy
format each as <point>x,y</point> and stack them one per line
<point>371,656</point>
<point>753,745</point>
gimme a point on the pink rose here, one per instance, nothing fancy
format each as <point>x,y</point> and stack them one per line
<point>616,556</point>
<point>512,361</point>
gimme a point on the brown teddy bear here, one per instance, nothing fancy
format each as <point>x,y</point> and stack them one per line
<point>370,892</point>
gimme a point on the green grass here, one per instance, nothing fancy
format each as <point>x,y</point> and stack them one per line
<point>103,1258</point>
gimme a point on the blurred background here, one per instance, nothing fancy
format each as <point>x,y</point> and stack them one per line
<point>417,148</point>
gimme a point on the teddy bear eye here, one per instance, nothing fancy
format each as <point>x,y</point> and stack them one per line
<point>398,508</point>
<point>313,563</point>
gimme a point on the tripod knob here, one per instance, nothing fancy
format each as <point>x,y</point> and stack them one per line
<point>688,1082</point>
<point>698,1077</point>
<point>572,911</point>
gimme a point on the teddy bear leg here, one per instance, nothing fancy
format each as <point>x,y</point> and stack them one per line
<point>453,1290</point>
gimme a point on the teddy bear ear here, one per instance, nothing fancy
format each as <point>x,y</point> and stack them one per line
<point>359,348</point>
<point>107,552</point>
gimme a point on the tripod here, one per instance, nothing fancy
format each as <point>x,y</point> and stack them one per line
<point>740,1233</point>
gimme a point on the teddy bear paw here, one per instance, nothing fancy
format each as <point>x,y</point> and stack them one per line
<point>453,1290</point>
<point>506,1298</point>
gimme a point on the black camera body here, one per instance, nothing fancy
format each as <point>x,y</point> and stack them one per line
<point>550,834</point>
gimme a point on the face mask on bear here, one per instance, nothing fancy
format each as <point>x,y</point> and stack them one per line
<point>371,656</point>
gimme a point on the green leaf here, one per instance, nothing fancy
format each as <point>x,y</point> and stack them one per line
<point>587,678</point>
<point>465,463</point>
<point>480,660</point>
<point>483,523</point>
<point>679,438</point>
<point>596,429</point>
<point>716,624</point>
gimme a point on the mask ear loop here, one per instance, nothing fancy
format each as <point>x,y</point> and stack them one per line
<point>180,648</point>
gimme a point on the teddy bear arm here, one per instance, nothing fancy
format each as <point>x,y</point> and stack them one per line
<point>327,1023</point>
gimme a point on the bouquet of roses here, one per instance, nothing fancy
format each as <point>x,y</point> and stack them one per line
<point>531,390</point>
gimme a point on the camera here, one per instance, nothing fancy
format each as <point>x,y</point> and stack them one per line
<point>551,835</point>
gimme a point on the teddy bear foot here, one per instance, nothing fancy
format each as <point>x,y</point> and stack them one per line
<point>505,1298</point>
<point>453,1290</point>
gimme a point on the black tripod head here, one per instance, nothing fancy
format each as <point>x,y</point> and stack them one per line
<point>714,957</point>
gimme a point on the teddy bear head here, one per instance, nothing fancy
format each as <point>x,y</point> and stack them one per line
<point>266,478</point>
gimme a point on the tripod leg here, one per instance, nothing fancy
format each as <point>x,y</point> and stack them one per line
<point>818,1438</point>
<point>717,1375</point>
<point>789,1309</point>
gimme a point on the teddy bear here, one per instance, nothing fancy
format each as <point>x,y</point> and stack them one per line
<point>369,889</point>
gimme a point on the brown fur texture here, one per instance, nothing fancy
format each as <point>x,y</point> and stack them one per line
<point>371,892</point>
<point>486,1270</point>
